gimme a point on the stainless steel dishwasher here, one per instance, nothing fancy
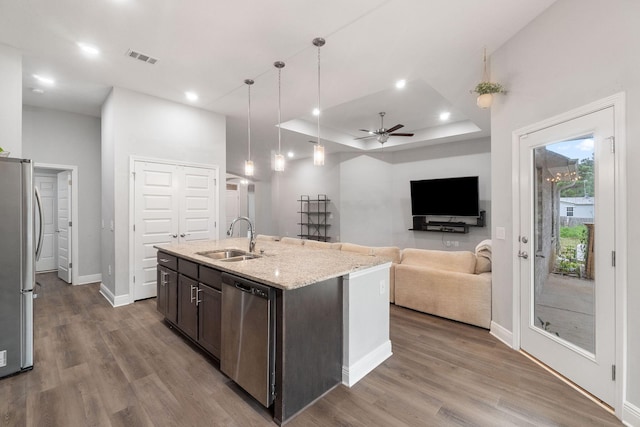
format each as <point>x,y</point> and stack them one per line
<point>247,353</point>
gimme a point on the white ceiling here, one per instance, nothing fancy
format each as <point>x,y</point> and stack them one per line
<point>210,47</point>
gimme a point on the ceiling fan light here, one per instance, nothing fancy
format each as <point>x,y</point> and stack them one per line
<point>318,155</point>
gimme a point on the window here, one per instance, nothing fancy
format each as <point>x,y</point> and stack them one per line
<point>569,210</point>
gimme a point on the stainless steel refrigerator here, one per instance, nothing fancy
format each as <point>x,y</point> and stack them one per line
<point>17,264</point>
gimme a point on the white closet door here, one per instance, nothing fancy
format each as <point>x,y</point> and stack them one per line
<point>197,204</point>
<point>156,220</point>
<point>64,226</point>
<point>47,186</point>
<point>172,204</point>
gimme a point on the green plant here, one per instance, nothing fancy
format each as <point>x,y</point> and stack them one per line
<point>483,88</point>
<point>1,149</point>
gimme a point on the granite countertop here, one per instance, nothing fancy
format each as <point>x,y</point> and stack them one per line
<point>282,265</point>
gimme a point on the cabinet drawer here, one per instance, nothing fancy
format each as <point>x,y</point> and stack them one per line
<point>188,268</point>
<point>211,277</point>
<point>167,260</point>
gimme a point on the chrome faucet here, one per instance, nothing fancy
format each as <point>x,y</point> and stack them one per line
<point>252,239</point>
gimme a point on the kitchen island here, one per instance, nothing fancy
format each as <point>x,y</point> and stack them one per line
<point>330,313</point>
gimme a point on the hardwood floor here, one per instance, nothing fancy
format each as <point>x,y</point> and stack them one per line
<point>101,366</point>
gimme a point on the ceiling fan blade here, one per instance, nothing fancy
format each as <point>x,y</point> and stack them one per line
<point>401,134</point>
<point>395,128</point>
<point>366,130</point>
<point>365,137</point>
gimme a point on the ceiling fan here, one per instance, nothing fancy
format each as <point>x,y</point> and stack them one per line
<point>383,134</point>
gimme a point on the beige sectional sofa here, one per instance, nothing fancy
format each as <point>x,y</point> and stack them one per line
<point>451,284</point>
<point>455,285</point>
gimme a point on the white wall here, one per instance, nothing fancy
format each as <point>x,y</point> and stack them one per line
<point>11,100</point>
<point>57,137</point>
<point>576,52</point>
<point>140,125</point>
<point>371,194</point>
<point>366,199</point>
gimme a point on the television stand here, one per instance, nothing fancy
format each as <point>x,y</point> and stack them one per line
<point>421,224</point>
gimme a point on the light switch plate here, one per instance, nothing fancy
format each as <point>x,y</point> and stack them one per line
<point>3,358</point>
<point>501,233</point>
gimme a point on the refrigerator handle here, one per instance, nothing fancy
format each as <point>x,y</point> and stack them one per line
<point>41,216</point>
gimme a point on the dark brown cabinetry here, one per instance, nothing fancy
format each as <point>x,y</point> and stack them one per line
<point>187,306</point>
<point>167,286</point>
<point>167,302</point>
<point>189,297</point>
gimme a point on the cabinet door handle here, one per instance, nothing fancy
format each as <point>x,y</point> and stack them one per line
<point>164,260</point>
<point>191,293</point>
<point>163,278</point>
<point>198,300</point>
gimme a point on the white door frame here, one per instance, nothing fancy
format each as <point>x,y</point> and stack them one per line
<point>132,212</point>
<point>618,102</point>
<point>74,214</point>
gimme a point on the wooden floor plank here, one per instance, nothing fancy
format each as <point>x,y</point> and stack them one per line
<point>96,365</point>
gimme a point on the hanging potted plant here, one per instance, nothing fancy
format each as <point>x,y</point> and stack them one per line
<point>4,153</point>
<point>485,91</point>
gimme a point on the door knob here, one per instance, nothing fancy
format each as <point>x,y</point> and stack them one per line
<point>523,254</point>
<point>174,235</point>
<point>182,234</point>
<point>524,239</point>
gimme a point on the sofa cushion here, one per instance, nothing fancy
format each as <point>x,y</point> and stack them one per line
<point>459,261</point>
<point>483,257</point>
<point>352,247</point>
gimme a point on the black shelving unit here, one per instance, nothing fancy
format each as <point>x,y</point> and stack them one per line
<point>313,218</point>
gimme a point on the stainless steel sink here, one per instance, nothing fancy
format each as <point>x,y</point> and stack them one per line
<point>240,258</point>
<point>229,255</point>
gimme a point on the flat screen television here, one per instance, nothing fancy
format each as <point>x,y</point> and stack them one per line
<point>445,197</point>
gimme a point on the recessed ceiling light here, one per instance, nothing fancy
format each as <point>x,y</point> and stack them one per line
<point>44,80</point>
<point>37,90</point>
<point>191,96</point>
<point>444,116</point>
<point>400,84</point>
<point>290,154</point>
<point>88,50</point>
<point>316,111</point>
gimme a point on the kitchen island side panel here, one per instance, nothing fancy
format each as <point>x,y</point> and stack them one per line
<point>308,345</point>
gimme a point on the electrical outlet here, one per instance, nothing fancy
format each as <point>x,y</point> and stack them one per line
<point>455,243</point>
<point>3,358</point>
<point>109,270</point>
<point>111,224</point>
<point>383,287</point>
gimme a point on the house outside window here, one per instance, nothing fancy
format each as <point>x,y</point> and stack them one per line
<point>569,210</point>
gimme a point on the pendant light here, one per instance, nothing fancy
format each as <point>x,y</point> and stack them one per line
<point>248,164</point>
<point>279,158</point>
<point>318,149</point>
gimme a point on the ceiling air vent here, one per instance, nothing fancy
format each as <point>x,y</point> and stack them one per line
<point>141,56</point>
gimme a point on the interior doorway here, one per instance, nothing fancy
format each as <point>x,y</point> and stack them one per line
<point>570,227</point>
<point>58,189</point>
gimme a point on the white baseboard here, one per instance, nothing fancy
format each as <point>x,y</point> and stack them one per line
<point>115,301</point>
<point>501,333</point>
<point>89,278</point>
<point>630,415</point>
<point>354,373</point>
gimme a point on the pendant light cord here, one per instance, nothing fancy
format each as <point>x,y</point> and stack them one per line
<point>279,108</point>
<point>249,124</point>
<point>319,109</point>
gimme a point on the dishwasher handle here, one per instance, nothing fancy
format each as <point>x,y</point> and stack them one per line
<point>243,287</point>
